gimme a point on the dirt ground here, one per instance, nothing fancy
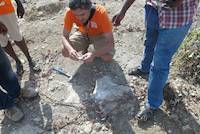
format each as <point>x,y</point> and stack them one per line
<point>64,107</point>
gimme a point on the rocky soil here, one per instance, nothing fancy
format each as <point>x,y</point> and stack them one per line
<point>65,106</point>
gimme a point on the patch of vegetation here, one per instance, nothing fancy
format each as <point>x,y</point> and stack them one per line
<point>187,60</point>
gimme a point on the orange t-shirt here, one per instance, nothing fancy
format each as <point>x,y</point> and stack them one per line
<point>6,7</point>
<point>99,24</point>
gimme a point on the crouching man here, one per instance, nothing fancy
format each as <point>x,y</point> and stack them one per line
<point>93,27</point>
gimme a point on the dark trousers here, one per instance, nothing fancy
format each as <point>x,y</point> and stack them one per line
<point>8,82</point>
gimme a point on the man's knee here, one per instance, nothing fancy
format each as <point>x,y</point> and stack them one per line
<point>4,41</point>
<point>65,52</point>
<point>107,57</point>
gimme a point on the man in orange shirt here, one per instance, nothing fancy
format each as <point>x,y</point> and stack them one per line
<point>11,31</point>
<point>94,27</point>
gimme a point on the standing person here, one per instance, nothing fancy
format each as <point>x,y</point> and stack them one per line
<point>167,23</point>
<point>8,18</point>
<point>94,27</point>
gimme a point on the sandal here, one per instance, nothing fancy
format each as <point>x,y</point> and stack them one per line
<point>146,114</point>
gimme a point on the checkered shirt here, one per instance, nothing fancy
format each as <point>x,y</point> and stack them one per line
<point>176,17</point>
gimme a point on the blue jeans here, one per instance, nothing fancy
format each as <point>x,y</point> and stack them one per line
<point>8,81</point>
<point>160,46</point>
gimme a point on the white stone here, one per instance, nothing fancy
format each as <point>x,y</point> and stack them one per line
<point>107,94</point>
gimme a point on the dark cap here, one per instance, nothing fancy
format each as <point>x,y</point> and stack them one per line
<point>83,4</point>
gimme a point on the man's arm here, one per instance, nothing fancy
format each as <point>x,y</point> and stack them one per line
<point>65,40</point>
<point>108,47</point>
<point>20,9</point>
<point>68,50</point>
<point>177,3</point>
<point>126,6</point>
<point>18,2</point>
<point>174,3</point>
<point>3,28</point>
<point>119,16</point>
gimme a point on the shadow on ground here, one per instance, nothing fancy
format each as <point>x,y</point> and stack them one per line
<point>180,121</point>
<point>37,114</point>
<point>83,83</point>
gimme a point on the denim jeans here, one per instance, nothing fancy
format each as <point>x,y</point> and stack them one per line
<point>8,81</point>
<point>160,46</point>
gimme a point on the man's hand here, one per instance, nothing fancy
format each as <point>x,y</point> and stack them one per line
<point>119,16</point>
<point>20,9</point>
<point>172,3</point>
<point>88,57</point>
<point>3,28</point>
<point>73,54</point>
<point>116,20</point>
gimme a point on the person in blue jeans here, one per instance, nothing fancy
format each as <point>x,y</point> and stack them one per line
<point>9,89</point>
<point>167,23</point>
